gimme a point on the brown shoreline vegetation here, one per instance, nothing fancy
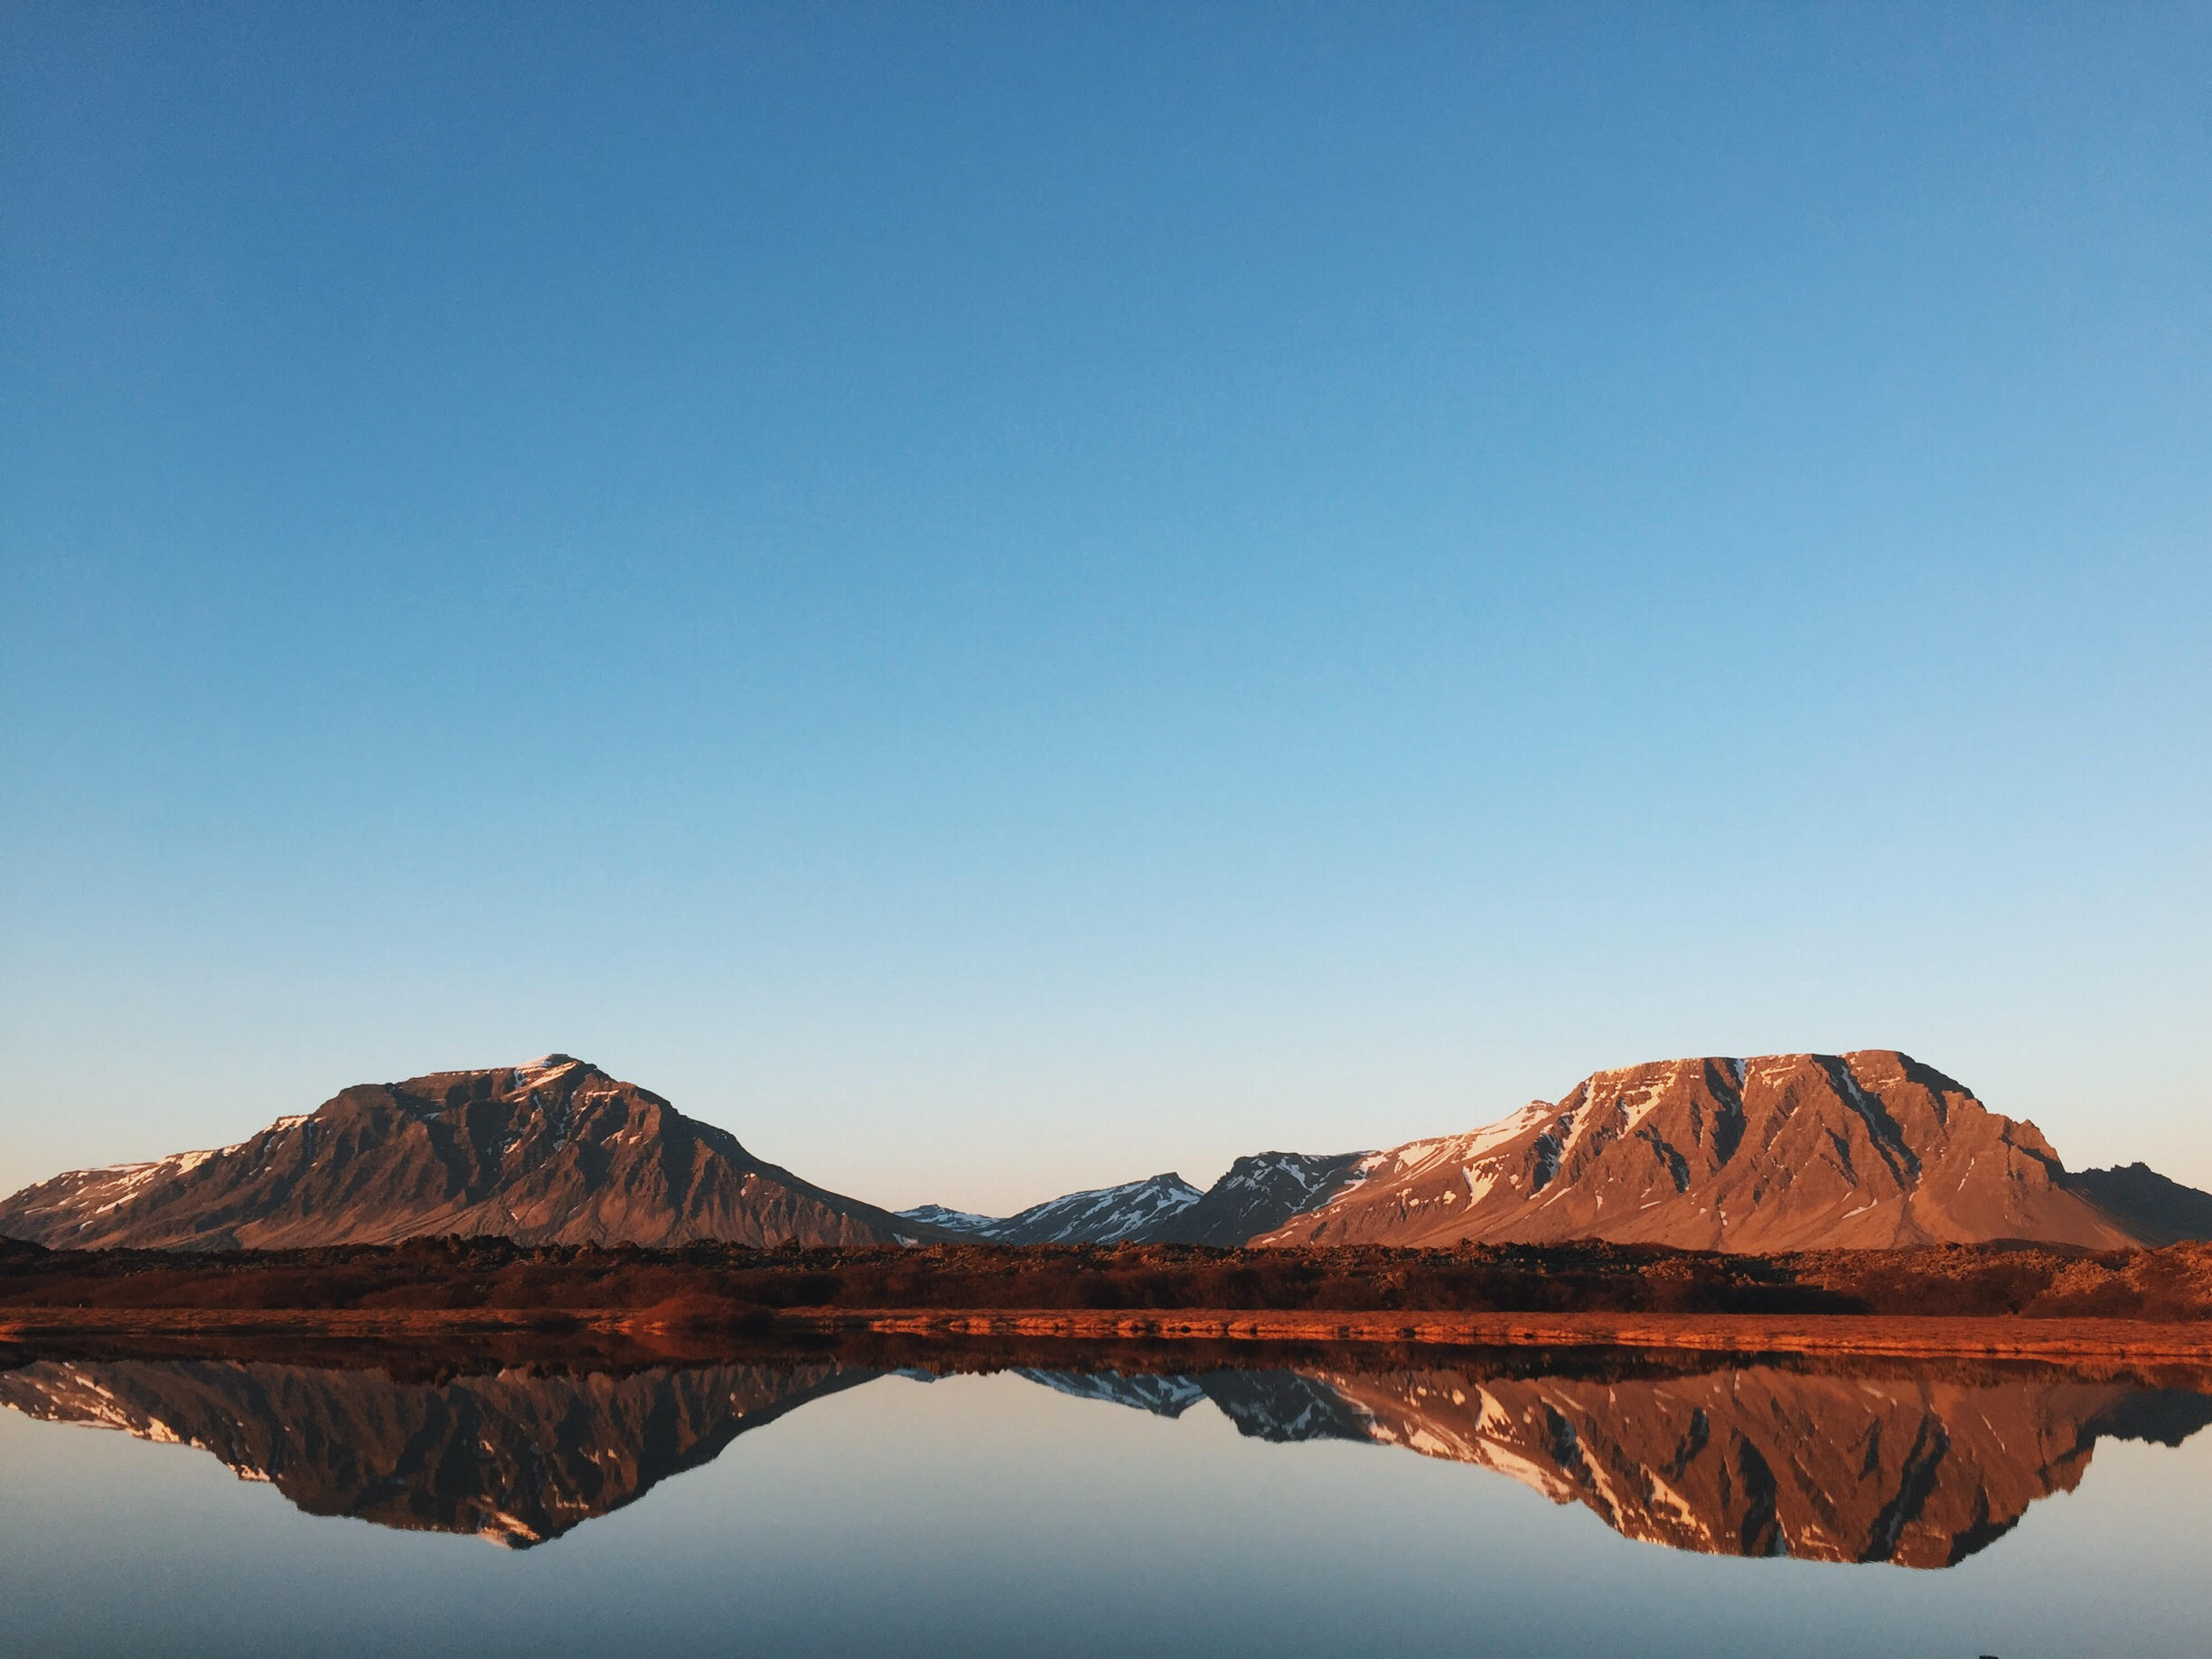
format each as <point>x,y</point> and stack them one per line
<point>1990,1299</point>
<point>617,1345</point>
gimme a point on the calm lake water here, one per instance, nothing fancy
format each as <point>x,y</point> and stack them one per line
<point>1445,1504</point>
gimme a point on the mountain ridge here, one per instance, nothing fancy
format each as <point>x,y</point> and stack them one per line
<point>1133,1211</point>
<point>1865,1149</point>
<point>1258,1192</point>
<point>553,1151</point>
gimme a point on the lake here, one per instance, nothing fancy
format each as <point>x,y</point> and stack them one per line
<point>1484,1503</point>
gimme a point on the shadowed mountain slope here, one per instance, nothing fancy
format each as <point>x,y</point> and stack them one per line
<point>2154,1208</point>
<point>1260,1193</point>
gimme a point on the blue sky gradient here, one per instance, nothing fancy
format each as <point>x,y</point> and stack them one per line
<point>1000,599</point>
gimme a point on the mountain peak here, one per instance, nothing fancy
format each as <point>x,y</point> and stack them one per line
<point>552,1151</point>
<point>1133,1212</point>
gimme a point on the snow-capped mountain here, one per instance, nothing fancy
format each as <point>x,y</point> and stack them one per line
<point>1258,1194</point>
<point>552,1152</point>
<point>1262,1193</point>
<point>1133,1212</point>
<point>965,1223</point>
<point>1870,1149</point>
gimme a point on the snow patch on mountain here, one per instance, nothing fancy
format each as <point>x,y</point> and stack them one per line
<point>953,1221</point>
<point>1133,1212</point>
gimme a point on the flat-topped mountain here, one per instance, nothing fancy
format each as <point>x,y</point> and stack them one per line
<point>1785,1152</point>
<point>553,1152</point>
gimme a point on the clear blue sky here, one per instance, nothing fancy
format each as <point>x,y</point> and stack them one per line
<point>1007,598</point>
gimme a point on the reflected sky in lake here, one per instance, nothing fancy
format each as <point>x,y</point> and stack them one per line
<point>1478,1503</point>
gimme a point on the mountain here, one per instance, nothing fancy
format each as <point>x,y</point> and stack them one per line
<point>553,1152</point>
<point>966,1224</point>
<point>2156,1210</point>
<point>1133,1212</point>
<point>1258,1194</point>
<point>1870,1149</point>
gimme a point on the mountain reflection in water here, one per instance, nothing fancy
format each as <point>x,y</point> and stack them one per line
<point>1920,1468</point>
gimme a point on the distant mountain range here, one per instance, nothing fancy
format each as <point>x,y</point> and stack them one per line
<point>1793,1151</point>
<point>1257,1195</point>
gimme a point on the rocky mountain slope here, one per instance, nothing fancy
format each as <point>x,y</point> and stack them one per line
<point>554,1152</point>
<point>1257,1194</point>
<point>1260,1193</point>
<point>1785,1152</point>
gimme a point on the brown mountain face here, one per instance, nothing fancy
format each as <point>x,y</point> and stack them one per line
<point>554,1152</point>
<point>517,1457</point>
<point>1867,1150</point>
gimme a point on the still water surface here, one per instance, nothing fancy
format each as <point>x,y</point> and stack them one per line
<point>1472,1503</point>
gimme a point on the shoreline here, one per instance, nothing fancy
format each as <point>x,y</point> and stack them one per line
<point>1906,1337</point>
